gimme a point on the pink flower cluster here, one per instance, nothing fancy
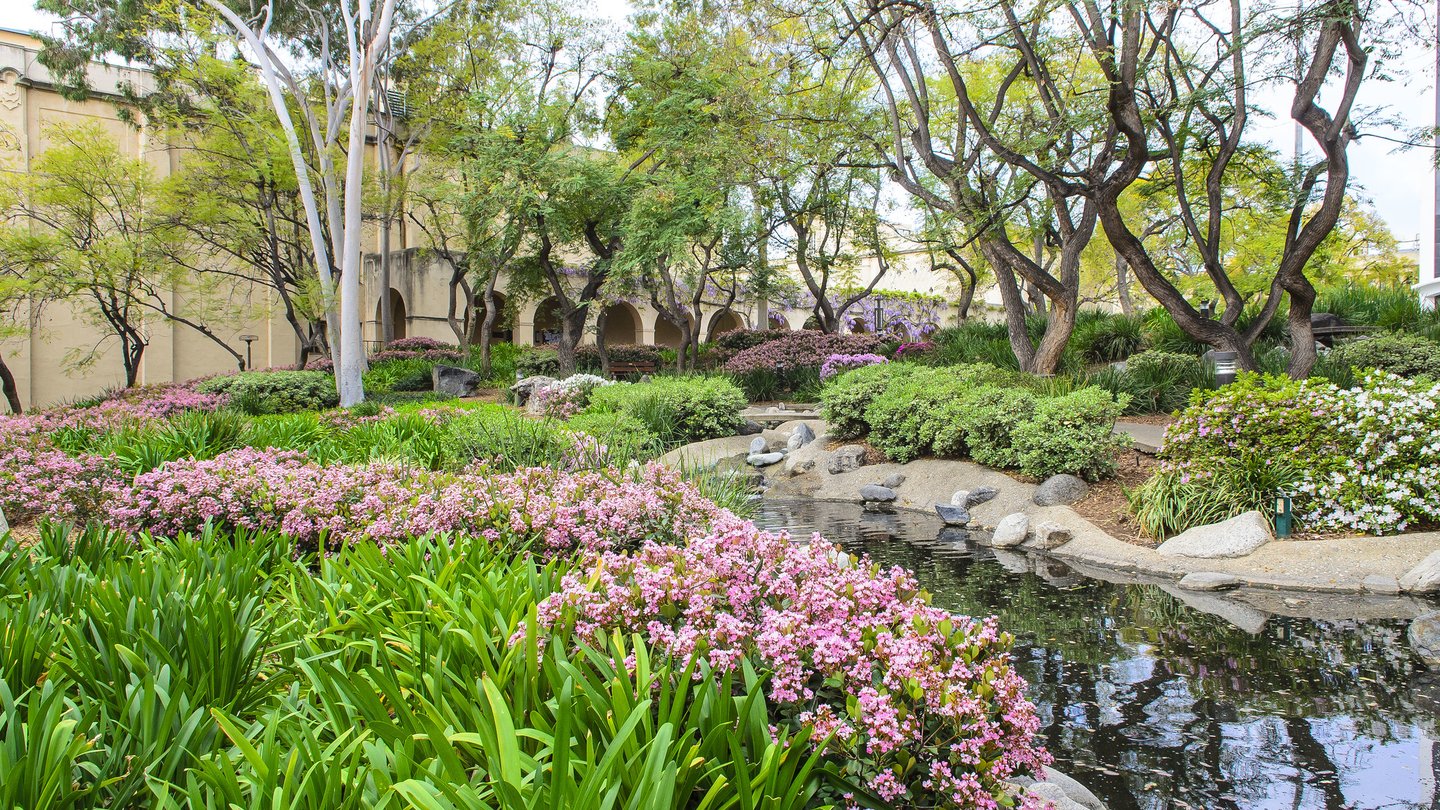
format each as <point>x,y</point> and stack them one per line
<point>837,364</point>
<point>929,702</point>
<point>795,350</point>
<point>418,344</point>
<point>39,482</point>
<point>129,407</point>
<point>386,502</point>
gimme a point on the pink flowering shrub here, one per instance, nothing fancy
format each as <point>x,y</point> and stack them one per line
<point>418,344</point>
<point>927,704</point>
<point>39,482</point>
<point>792,362</point>
<point>837,364</point>
<point>914,351</point>
<point>387,502</point>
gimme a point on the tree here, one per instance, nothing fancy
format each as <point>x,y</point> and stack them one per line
<point>345,46</point>
<point>83,226</point>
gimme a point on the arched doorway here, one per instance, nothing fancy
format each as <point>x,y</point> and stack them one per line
<point>726,320</point>
<point>778,321</point>
<point>397,317</point>
<point>622,324</point>
<point>547,323</point>
<point>500,331</point>
<point>667,333</point>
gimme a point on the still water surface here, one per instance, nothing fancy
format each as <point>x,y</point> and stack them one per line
<point>1152,704</point>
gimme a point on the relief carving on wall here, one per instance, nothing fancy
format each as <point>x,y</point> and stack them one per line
<point>10,89</point>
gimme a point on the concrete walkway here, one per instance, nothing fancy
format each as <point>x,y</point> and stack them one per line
<point>1147,439</point>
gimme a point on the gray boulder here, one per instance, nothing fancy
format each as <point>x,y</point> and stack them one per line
<point>846,459</point>
<point>749,428</point>
<point>893,480</point>
<point>1378,583</point>
<point>1047,535</point>
<point>759,445</point>
<point>1424,635</point>
<point>1423,578</point>
<point>800,436</point>
<point>454,381</point>
<point>980,495</point>
<point>1074,791</point>
<point>522,390</point>
<point>874,493</point>
<point>764,459</point>
<point>1061,490</point>
<point>1237,537</point>
<point>960,498</point>
<point>1011,531</point>
<point>1209,581</point>
<point>952,515</point>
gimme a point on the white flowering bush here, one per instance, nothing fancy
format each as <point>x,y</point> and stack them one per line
<point>1391,479</point>
<point>565,398</point>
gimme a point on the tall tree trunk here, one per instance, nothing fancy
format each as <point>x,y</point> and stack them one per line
<point>10,389</point>
<point>600,346</point>
<point>1014,304</point>
<point>1122,285</point>
<point>572,327</point>
<point>487,326</point>
<point>387,314</point>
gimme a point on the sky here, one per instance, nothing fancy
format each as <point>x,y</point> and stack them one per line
<point>1398,183</point>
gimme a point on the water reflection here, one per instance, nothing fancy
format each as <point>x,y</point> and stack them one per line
<point>1155,705</point>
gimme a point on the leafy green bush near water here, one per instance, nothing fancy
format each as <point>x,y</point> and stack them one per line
<point>677,410</point>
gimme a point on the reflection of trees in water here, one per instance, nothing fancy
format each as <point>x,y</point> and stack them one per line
<point>1155,704</point>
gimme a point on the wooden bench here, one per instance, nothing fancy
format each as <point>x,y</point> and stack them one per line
<point>632,369</point>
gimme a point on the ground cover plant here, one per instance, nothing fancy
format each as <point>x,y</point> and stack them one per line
<point>318,626</point>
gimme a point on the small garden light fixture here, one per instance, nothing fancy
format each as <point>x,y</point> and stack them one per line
<point>249,341</point>
<point>1284,519</point>
<point>1225,366</point>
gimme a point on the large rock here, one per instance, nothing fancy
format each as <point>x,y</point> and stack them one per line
<point>523,389</point>
<point>750,427</point>
<point>893,481</point>
<point>980,495</point>
<point>846,459</point>
<point>952,515</point>
<point>874,493</point>
<point>1047,535</point>
<point>764,459</point>
<point>759,445</point>
<point>1424,635</point>
<point>1237,537</point>
<point>1075,791</point>
<point>800,436</point>
<point>1011,531</point>
<point>454,381</point>
<point>1061,490</point>
<point>1423,578</point>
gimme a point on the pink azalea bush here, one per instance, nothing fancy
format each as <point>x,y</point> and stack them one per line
<point>796,350</point>
<point>914,351</point>
<point>387,502</point>
<point>926,702</point>
<point>837,364</point>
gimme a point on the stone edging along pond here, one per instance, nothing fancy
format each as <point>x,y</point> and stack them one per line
<point>1376,566</point>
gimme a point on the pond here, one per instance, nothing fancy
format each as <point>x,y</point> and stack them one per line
<point>1152,704</point>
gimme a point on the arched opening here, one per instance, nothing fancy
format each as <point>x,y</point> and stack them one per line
<point>726,320</point>
<point>500,331</point>
<point>812,323</point>
<point>622,324</point>
<point>397,317</point>
<point>667,333</point>
<point>547,323</point>
<point>779,321</point>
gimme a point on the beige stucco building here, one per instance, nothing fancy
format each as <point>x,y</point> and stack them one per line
<point>53,335</point>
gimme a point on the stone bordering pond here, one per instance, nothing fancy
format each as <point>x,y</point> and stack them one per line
<point>1382,566</point>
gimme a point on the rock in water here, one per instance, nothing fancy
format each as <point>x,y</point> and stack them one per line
<point>1061,490</point>
<point>1424,636</point>
<point>1237,537</point>
<point>952,515</point>
<point>1046,536</point>
<point>455,381</point>
<point>846,459</point>
<point>764,459</point>
<point>874,493</point>
<point>893,480</point>
<point>1423,578</point>
<point>1011,531</point>
<point>759,445</point>
<point>523,389</point>
<point>801,436</point>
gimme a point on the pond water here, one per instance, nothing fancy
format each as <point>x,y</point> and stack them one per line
<point>1152,704</point>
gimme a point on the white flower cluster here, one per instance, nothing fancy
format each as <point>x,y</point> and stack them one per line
<point>1391,480</point>
<point>581,382</point>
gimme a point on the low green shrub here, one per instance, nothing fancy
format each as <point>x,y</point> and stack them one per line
<point>984,421</point>
<point>1072,434</point>
<point>1270,416</point>
<point>844,399</point>
<point>268,392</point>
<point>677,409</point>
<point>1398,353</point>
<point>623,435</point>
<point>532,361</point>
<point>916,409</point>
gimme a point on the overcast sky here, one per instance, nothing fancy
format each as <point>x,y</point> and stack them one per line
<point>1399,184</point>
